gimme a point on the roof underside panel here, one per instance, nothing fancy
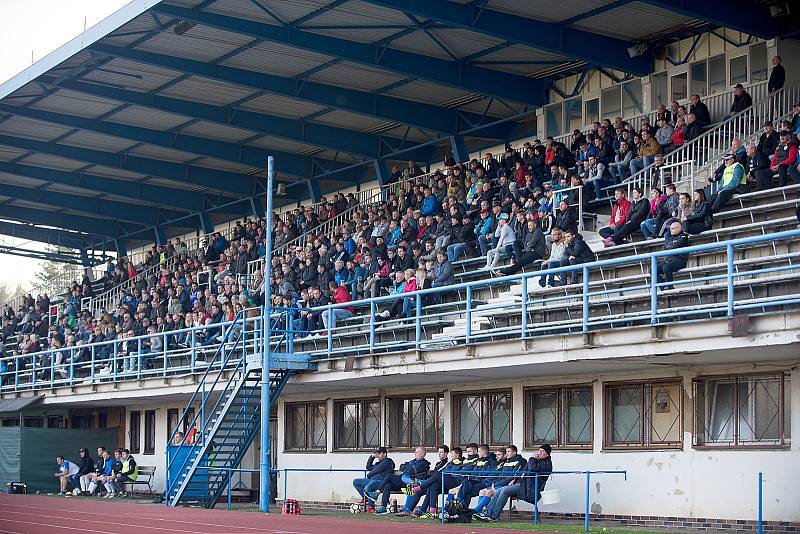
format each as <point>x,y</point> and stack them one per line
<point>356,77</point>
<point>274,58</point>
<point>147,118</point>
<point>131,75</point>
<point>72,103</point>
<point>282,106</point>
<point>547,10</point>
<point>207,91</point>
<point>201,43</point>
<point>641,20</point>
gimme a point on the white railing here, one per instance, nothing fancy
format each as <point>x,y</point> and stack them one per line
<point>713,143</point>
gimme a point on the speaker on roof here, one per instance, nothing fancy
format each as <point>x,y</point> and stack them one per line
<point>281,190</point>
<point>659,52</point>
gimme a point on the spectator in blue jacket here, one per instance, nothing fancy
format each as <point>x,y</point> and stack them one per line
<point>412,471</point>
<point>430,204</point>
<point>471,486</point>
<point>379,466</point>
<point>512,463</point>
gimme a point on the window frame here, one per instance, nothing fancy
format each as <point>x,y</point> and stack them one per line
<point>173,417</point>
<point>361,445</point>
<point>784,443</point>
<point>306,406</point>
<point>438,400</point>
<point>486,426</point>
<point>644,443</point>
<point>562,416</point>
<point>149,432</point>
<point>730,59</point>
<point>135,430</point>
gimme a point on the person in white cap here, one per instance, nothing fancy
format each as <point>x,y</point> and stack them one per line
<point>505,240</point>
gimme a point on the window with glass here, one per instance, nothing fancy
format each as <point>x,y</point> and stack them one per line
<point>482,418</point>
<point>55,421</point>
<point>716,75</point>
<point>592,111</point>
<point>172,421</point>
<point>759,63</point>
<point>659,88</point>
<point>554,118</point>
<point>306,427</point>
<point>699,78</point>
<point>150,432</point>
<point>573,114</point>
<point>643,414</point>
<point>413,421</point>
<point>135,432</point>
<point>357,424</point>
<point>680,86</point>
<point>34,422</point>
<point>632,98</point>
<point>610,102</point>
<point>737,68</point>
<point>742,411</point>
<point>560,416</point>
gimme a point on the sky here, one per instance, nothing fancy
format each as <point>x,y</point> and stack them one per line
<point>34,28</point>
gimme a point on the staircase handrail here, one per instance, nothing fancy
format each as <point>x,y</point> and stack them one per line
<point>718,138</point>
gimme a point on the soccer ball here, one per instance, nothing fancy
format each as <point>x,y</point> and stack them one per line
<point>355,508</point>
<point>76,492</point>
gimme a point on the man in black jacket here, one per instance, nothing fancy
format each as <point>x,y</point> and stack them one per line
<point>412,471</point>
<point>534,248</point>
<point>769,140</point>
<point>741,100</point>
<point>676,238</point>
<point>418,490</point>
<point>379,466</point>
<point>538,468</point>
<point>471,486</point>
<point>511,463</point>
<point>757,168</point>
<point>577,252</point>
<point>700,111</point>
<point>778,75</point>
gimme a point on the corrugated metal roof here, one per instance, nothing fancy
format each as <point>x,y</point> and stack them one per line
<point>547,10</point>
<point>276,143</point>
<point>72,103</point>
<point>355,76</point>
<point>130,32</point>
<point>282,106</point>
<point>419,42</point>
<point>53,162</point>
<point>348,120</point>
<point>291,11</point>
<point>207,91</point>
<point>147,118</point>
<point>236,8</point>
<point>640,19</point>
<point>464,43</point>
<point>275,58</point>
<point>111,172</point>
<point>96,141</point>
<point>219,132</point>
<point>32,129</point>
<point>167,154</point>
<point>201,43</point>
<point>427,92</point>
<point>130,75</point>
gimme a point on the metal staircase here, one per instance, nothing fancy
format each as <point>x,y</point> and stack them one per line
<point>228,407</point>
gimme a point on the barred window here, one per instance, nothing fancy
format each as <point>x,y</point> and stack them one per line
<point>482,418</point>
<point>560,416</point>
<point>135,432</point>
<point>644,414</point>
<point>413,421</point>
<point>150,432</point>
<point>357,424</point>
<point>306,427</point>
<point>742,411</point>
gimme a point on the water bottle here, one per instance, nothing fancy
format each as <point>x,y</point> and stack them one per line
<point>393,508</point>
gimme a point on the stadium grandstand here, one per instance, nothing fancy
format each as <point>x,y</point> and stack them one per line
<point>314,234</point>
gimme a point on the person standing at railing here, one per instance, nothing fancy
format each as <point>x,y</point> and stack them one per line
<point>741,100</point>
<point>778,75</point>
<point>700,111</point>
<point>733,181</point>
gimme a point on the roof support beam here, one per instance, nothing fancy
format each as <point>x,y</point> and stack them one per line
<point>213,179</point>
<point>452,73</point>
<point>578,44</point>
<point>292,164</point>
<point>182,199</point>
<point>78,223</point>
<point>425,116</point>
<point>322,135</point>
<point>742,15</point>
<point>49,236</point>
<point>123,211</point>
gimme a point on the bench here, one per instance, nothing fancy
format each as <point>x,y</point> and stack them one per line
<point>146,474</point>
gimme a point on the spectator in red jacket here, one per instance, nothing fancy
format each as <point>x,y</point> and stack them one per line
<point>784,162</point>
<point>340,296</point>
<point>619,214</point>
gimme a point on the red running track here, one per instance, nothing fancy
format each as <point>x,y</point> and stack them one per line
<point>34,514</point>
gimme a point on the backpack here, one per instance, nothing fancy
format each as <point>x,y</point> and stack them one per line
<point>456,513</point>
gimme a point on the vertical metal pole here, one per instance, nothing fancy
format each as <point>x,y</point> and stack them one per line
<point>468,332</point>
<point>264,484</point>
<point>585,299</point>
<point>524,320</point>
<point>586,519</point>
<point>285,483</point>
<point>536,504</point>
<point>729,250</point>
<point>760,502</point>
<point>229,489</point>
<point>442,495</point>
<point>372,310</point>
<point>653,291</point>
<point>418,330</point>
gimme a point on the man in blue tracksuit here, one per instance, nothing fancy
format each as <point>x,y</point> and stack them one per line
<point>416,493</point>
<point>471,486</point>
<point>379,466</point>
<point>412,471</point>
<point>511,463</point>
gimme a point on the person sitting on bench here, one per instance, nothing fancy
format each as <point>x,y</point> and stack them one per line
<point>525,488</point>
<point>379,466</point>
<point>411,472</point>
<point>471,486</point>
<point>513,462</point>
<point>432,487</point>
<point>414,496</point>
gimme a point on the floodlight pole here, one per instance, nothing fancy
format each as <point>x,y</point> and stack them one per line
<point>264,479</point>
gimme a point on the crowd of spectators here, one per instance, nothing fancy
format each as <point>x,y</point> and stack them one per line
<point>88,477</point>
<point>525,205</point>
